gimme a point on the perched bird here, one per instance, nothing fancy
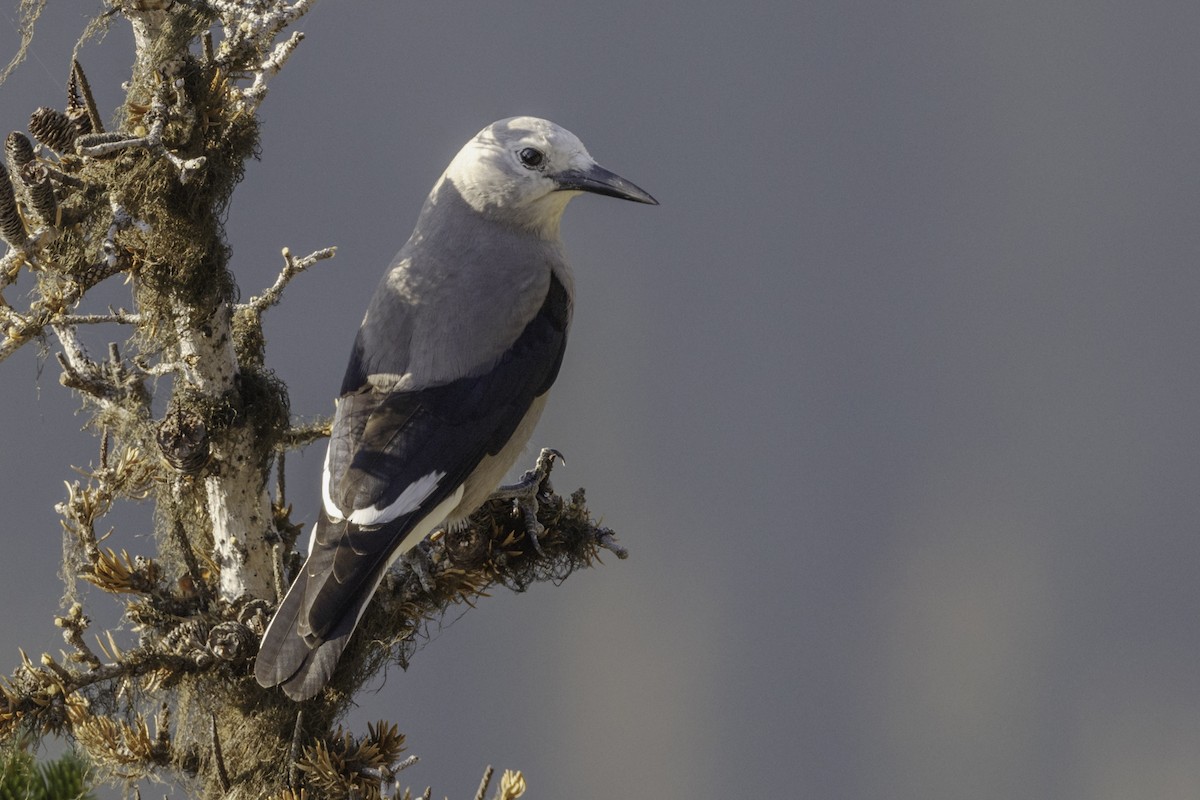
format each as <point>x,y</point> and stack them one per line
<point>447,378</point>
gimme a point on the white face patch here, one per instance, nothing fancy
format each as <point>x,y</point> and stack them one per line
<point>489,176</point>
<point>408,501</point>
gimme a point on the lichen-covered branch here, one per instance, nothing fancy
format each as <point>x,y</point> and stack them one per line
<point>252,27</point>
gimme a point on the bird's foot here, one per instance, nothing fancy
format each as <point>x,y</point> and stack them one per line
<point>525,492</point>
<point>528,508</point>
<point>532,481</point>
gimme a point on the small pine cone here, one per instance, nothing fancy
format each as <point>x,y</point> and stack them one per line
<point>185,639</point>
<point>183,441</point>
<point>467,548</point>
<point>41,191</point>
<point>12,229</point>
<point>255,615</point>
<point>80,119</point>
<point>19,150</point>
<point>54,129</point>
<point>231,641</point>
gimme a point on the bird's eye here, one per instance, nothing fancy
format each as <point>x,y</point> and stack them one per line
<point>531,158</point>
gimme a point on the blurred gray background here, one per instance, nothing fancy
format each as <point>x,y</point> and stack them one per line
<point>894,399</point>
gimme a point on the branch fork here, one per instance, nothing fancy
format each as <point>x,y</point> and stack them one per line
<point>96,145</point>
<point>292,267</point>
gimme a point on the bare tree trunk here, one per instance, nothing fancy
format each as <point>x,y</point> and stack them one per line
<point>146,202</point>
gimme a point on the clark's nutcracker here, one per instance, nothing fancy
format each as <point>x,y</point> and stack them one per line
<point>446,380</point>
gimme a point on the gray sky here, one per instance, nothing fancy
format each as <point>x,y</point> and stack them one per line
<point>894,399</point>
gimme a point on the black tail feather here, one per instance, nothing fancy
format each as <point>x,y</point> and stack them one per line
<point>283,651</point>
<point>303,666</point>
<point>316,669</point>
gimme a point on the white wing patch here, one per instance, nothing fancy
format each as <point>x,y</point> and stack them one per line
<point>408,501</point>
<point>415,536</point>
<point>312,542</point>
<point>331,508</point>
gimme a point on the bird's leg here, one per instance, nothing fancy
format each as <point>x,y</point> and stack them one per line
<point>524,493</point>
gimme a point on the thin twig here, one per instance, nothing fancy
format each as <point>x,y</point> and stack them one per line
<point>292,267</point>
<point>63,674</point>
<point>279,549</point>
<point>10,265</point>
<point>74,623</point>
<point>293,773</point>
<point>110,384</point>
<point>80,372</point>
<point>62,178</point>
<point>160,369</point>
<point>140,663</point>
<point>283,51</point>
<point>605,539</point>
<point>189,557</point>
<point>281,479</point>
<point>118,317</point>
<point>483,785</point>
<point>222,775</point>
<point>384,776</point>
<point>23,328</point>
<point>303,435</point>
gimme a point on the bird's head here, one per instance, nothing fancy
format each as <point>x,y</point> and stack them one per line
<point>524,170</point>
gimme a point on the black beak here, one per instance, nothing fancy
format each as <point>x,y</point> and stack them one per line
<point>597,180</point>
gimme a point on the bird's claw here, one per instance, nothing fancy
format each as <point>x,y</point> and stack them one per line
<point>545,461</point>
<point>524,494</point>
